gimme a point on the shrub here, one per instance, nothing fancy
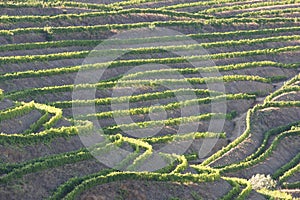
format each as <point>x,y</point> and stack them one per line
<point>260,181</point>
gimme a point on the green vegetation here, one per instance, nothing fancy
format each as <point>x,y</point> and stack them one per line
<point>127,83</point>
<point>252,46</point>
<point>237,183</point>
<point>170,106</point>
<point>275,194</point>
<point>108,27</point>
<point>168,122</point>
<point>83,54</point>
<point>287,170</point>
<point>252,5</point>
<point>17,111</point>
<point>289,173</point>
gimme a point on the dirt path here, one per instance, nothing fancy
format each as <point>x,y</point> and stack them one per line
<point>240,126</point>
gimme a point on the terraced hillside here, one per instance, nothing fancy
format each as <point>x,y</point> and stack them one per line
<point>149,99</point>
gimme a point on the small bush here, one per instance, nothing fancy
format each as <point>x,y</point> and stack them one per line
<point>260,181</point>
